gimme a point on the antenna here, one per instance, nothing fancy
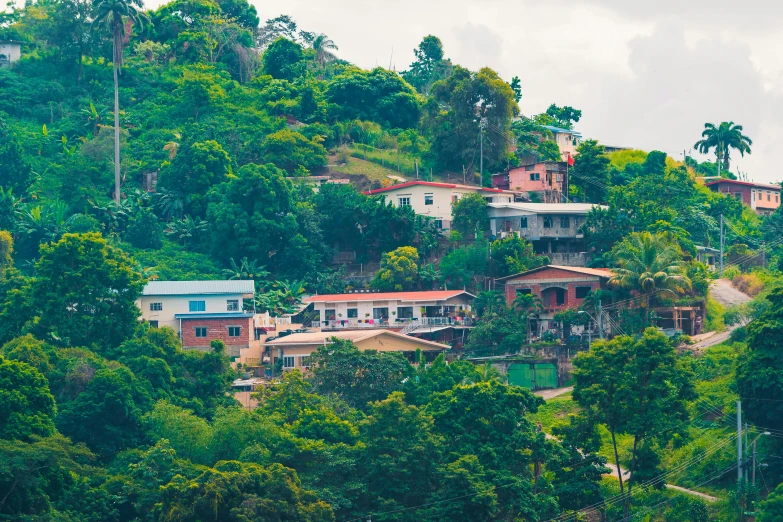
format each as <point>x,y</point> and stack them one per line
<point>391,58</point>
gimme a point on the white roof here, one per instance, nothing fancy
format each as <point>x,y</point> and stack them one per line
<point>548,208</point>
<point>234,286</point>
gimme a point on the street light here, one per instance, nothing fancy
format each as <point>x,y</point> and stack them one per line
<point>754,455</point>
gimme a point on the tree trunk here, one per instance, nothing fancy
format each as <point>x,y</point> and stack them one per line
<point>116,123</point>
<point>627,503</point>
<point>617,461</point>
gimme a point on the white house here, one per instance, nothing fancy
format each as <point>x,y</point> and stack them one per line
<point>435,199</point>
<point>554,229</point>
<point>389,309</point>
<point>10,51</point>
<point>567,140</point>
<point>201,311</point>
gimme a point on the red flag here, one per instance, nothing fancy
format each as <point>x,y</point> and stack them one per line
<point>570,160</point>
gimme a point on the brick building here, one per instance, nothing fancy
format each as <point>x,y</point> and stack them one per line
<point>559,287</point>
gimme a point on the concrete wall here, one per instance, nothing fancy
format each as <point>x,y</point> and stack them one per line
<point>11,52</point>
<point>562,356</point>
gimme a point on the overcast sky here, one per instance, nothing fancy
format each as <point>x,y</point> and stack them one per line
<point>645,74</point>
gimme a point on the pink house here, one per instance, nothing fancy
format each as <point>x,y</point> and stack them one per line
<point>548,178</point>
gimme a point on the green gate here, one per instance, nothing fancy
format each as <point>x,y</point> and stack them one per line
<point>533,376</point>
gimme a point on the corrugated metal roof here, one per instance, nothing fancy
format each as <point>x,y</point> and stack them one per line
<point>235,286</point>
<point>217,315</point>
<point>320,338</point>
<point>548,208</point>
<point>437,184</point>
<point>431,295</point>
<point>604,273</point>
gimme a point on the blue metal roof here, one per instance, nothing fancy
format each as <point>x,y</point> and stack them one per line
<point>235,286</point>
<point>558,130</point>
<point>219,315</point>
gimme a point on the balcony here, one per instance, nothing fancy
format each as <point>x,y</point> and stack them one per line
<point>343,324</point>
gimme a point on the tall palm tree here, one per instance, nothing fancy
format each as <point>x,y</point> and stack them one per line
<point>113,13</point>
<point>488,302</point>
<point>323,47</point>
<point>722,138</point>
<point>649,264</point>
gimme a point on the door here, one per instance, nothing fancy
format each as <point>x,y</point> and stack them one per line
<point>545,376</point>
<point>521,375</point>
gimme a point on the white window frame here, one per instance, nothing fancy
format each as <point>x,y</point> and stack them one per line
<point>287,359</point>
<point>156,307</point>
<point>232,305</point>
<point>192,303</point>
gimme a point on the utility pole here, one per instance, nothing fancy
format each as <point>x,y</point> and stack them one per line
<point>745,459</point>
<point>600,320</point>
<point>482,126</point>
<point>764,254</point>
<point>739,443</point>
<point>721,246</point>
<point>754,462</point>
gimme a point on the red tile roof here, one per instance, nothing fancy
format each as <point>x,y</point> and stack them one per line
<point>599,272</point>
<point>432,295</point>
<point>743,183</point>
<point>432,184</point>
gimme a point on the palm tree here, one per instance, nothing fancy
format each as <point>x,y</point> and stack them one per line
<point>112,13</point>
<point>245,270</point>
<point>649,264</point>
<point>429,274</point>
<point>323,45</point>
<point>722,138</point>
<point>173,146</point>
<point>489,373</point>
<point>530,305</point>
<point>488,302</point>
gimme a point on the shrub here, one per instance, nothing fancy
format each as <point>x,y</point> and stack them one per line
<point>732,271</point>
<point>750,284</point>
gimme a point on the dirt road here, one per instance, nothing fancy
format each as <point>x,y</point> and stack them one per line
<point>552,393</point>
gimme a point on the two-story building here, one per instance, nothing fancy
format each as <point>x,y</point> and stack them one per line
<point>435,200</point>
<point>764,198</point>
<point>553,229</point>
<point>546,179</point>
<point>558,287</point>
<point>295,349</point>
<point>567,140</point>
<point>391,309</point>
<point>201,311</point>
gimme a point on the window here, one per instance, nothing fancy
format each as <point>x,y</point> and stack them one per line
<point>565,222</point>
<point>305,362</point>
<point>288,362</point>
<point>524,291</point>
<point>232,305</point>
<point>508,226</point>
<point>404,201</point>
<point>405,312</point>
<point>154,324</point>
<point>329,314</point>
<point>201,331</point>
<point>535,176</point>
<point>776,198</point>
<point>428,199</point>
<point>547,221</point>
<point>234,331</point>
<point>582,291</point>
<point>380,313</point>
<point>156,307</point>
<point>523,222</point>
<point>454,198</point>
<point>439,224</point>
<point>768,197</point>
<point>197,306</point>
<point>353,313</point>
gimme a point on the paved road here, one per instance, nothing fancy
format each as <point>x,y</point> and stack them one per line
<point>724,292</point>
<point>708,498</point>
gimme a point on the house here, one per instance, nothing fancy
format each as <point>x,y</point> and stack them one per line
<point>201,311</point>
<point>547,179</point>
<point>764,198</point>
<point>554,229</point>
<point>295,349</point>
<point>567,140</point>
<point>391,309</point>
<point>10,52</point>
<point>432,199</point>
<point>443,316</point>
<point>558,287</point>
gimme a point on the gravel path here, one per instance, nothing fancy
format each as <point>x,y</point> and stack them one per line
<point>553,392</point>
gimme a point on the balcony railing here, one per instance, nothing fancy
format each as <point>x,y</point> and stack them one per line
<point>339,324</point>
